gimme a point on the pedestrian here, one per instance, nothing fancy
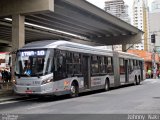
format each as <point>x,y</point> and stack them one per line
<point>0,75</point>
<point>3,76</point>
<point>6,75</point>
<point>149,73</point>
<point>1,79</point>
<point>157,73</point>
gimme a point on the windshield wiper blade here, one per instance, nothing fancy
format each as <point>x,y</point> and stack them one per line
<point>38,76</point>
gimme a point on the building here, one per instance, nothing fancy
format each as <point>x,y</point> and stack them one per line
<point>119,9</point>
<point>154,26</point>
<point>155,6</point>
<point>140,20</point>
<point>5,60</point>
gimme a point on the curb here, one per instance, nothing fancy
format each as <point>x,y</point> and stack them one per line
<point>6,92</point>
<point>10,98</point>
<point>7,95</point>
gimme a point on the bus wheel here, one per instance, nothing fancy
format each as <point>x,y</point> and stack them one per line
<point>139,80</point>
<point>106,85</point>
<point>74,90</point>
<point>135,80</point>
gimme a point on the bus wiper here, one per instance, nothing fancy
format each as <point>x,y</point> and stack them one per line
<point>19,76</point>
<point>38,76</point>
<point>27,75</point>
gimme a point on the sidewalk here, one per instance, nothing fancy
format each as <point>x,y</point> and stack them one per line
<point>7,93</point>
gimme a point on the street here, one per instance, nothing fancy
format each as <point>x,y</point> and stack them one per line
<point>141,99</point>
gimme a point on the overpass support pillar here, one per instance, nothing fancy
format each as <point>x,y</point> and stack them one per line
<point>18,31</point>
<point>18,36</point>
<point>124,48</point>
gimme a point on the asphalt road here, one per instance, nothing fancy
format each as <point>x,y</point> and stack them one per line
<point>140,99</point>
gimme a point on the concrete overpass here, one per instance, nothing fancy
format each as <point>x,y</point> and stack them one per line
<point>73,16</point>
<point>32,33</point>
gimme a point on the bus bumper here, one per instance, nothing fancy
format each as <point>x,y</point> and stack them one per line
<point>32,90</point>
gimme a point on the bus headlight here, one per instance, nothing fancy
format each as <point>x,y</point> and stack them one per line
<point>14,82</point>
<point>46,81</point>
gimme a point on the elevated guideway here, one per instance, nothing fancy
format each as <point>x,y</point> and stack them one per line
<point>77,17</point>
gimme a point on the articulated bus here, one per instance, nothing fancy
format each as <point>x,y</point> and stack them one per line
<point>61,67</point>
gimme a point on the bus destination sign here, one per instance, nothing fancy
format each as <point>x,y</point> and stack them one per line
<point>33,53</point>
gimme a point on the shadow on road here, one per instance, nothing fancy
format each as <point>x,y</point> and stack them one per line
<point>64,97</point>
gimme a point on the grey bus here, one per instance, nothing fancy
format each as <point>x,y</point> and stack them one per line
<point>60,67</point>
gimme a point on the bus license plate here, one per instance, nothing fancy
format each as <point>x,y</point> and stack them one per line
<point>29,91</point>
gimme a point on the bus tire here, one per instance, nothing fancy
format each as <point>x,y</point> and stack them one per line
<point>139,80</point>
<point>107,85</point>
<point>74,91</point>
<point>135,80</point>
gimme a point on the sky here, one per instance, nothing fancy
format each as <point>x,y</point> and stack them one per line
<point>100,3</point>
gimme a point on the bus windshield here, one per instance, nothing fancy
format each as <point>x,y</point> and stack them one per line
<point>34,62</point>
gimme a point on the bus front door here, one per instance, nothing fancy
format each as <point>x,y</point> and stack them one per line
<point>86,72</point>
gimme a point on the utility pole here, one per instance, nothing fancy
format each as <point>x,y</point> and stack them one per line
<point>153,40</point>
<point>154,62</point>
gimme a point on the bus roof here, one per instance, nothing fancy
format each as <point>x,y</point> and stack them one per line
<point>56,44</point>
<point>129,55</point>
<point>66,45</point>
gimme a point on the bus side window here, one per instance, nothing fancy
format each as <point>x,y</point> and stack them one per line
<point>121,66</point>
<point>69,57</point>
<point>138,64</point>
<point>109,65</point>
<point>131,65</point>
<point>134,64</point>
<point>94,64</point>
<point>77,63</point>
<point>60,65</point>
<point>69,65</point>
<point>102,64</point>
<point>62,61</point>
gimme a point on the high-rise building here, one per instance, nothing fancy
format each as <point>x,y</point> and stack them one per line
<point>155,6</point>
<point>154,26</point>
<point>140,20</point>
<point>117,8</point>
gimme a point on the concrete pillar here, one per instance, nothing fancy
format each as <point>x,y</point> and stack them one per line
<point>18,36</point>
<point>124,47</point>
<point>18,31</point>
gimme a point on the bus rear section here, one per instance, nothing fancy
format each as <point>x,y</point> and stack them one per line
<point>128,69</point>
